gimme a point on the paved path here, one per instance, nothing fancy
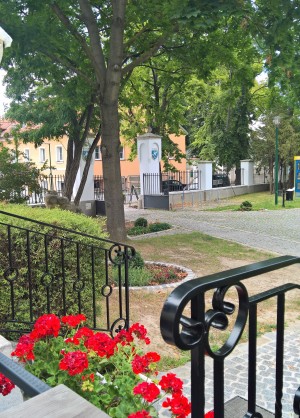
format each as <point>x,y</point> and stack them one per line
<point>276,231</point>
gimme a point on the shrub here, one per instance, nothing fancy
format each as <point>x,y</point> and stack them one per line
<point>136,262</point>
<point>141,222</point>
<point>246,205</point>
<point>158,226</point>
<point>44,263</point>
<point>137,230</point>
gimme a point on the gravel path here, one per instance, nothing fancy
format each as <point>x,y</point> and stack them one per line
<point>276,231</point>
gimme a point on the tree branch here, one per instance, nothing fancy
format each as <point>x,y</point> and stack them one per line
<point>145,55</point>
<point>97,56</point>
<point>67,23</point>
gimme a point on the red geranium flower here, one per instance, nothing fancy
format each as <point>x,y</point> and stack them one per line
<point>84,333</point>
<point>171,383</point>
<point>179,405</point>
<point>140,332</point>
<point>209,414</point>
<point>6,385</point>
<point>102,344</point>
<point>74,362</point>
<point>140,364</point>
<point>73,320</point>
<point>24,348</point>
<point>152,357</point>
<point>149,391</point>
<point>124,337</point>
<point>140,414</point>
<point>46,325</point>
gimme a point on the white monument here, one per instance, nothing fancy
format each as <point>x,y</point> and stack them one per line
<point>206,173</point>
<point>87,196</point>
<point>149,154</point>
<point>5,41</point>
<point>247,172</point>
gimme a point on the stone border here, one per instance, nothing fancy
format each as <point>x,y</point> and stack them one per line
<point>190,276</point>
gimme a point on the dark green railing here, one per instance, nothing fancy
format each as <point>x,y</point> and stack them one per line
<point>192,332</point>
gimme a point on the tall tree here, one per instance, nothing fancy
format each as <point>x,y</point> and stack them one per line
<point>102,42</point>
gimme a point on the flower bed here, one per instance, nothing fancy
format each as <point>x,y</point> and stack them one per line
<point>104,370</point>
<point>165,273</point>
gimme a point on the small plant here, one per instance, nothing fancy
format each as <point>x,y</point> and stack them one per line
<point>159,226</point>
<point>137,262</point>
<point>141,222</point>
<point>246,205</point>
<point>137,230</point>
<point>154,227</point>
<point>106,371</point>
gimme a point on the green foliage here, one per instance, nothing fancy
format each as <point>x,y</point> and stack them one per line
<point>17,179</point>
<point>141,222</point>
<point>137,262</point>
<point>154,227</point>
<point>47,264</point>
<point>139,277</point>
<point>246,206</point>
<point>159,226</point>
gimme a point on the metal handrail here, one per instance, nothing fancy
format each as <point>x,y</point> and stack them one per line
<point>192,333</point>
<point>30,384</point>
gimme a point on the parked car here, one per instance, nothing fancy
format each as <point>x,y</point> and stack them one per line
<point>172,186</point>
<point>220,180</point>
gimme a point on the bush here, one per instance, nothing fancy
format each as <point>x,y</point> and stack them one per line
<point>246,205</point>
<point>43,263</point>
<point>141,222</point>
<point>137,230</point>
<point>158,226</point>
<point>136,262</point>
<point>155,227</point>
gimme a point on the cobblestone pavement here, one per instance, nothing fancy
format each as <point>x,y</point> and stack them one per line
<point>236,373</point>
<point>275,231</point>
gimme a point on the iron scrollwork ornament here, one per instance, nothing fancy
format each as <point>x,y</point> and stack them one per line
<point>118,254</point>
<point>188,333</point>
<point>117,326</point>
<point>218,318</point>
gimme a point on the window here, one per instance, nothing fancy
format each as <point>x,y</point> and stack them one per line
<point>59,153</point>
<point>121,153</point>
<point>26,154</point>
<point>42,155</point>
<point>97,153</point>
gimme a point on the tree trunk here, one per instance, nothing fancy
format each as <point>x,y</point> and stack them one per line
<point>72,167</point>
<point>110,151</point>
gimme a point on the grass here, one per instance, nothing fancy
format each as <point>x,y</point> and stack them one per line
<point>260,201</point>
<point>204,255</point>
<point>197,251</point>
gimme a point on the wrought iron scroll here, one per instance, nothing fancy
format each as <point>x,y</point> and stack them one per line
<point>192,332</point>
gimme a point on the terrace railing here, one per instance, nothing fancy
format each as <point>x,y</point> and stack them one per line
<point>187,324</point>
<point>46,268</point>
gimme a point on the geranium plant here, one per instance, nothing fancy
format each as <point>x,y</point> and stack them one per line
<point>112,373</point>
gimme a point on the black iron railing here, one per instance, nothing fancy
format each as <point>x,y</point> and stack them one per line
<point>176,181</point>
<point>193,332</point>
<point>46,268</point>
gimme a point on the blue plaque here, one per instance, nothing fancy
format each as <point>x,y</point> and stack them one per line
<point>154,154</point>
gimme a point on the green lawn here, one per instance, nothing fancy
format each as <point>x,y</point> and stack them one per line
<point>259,201</point>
